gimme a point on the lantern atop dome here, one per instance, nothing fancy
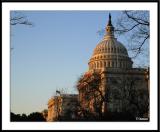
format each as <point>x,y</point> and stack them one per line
<point>110,28</point>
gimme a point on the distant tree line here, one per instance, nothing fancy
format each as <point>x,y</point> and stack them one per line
<point>34,116</point>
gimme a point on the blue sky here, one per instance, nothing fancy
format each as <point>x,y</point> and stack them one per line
<point>52,54</point>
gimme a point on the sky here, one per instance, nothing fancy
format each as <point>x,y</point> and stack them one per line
<point>52,54</point>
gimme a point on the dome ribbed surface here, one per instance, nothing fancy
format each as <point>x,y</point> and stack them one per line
<point>111,46</point>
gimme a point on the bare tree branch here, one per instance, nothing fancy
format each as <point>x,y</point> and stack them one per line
<point>134,25</point>
<point>20,19</point>
<point>126,30</point>
<point>138,49</point>
<point>138,20</point>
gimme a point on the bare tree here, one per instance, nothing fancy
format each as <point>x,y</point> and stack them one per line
<point>137,99</point>
<point>19,18</point>
<point>135,25</point>
<point>90,92</point>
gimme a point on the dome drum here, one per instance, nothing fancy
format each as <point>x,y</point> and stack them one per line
<point>110,64</point>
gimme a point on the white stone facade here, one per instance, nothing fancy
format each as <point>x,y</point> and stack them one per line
<point>60,106</point>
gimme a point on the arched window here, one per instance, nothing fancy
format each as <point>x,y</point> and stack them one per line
<point>120,64</point>
<point>104,64</point>
<point>108,64</point>
<point>100,64</point>
<point>97,64</point>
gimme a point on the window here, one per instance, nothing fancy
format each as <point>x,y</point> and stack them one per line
<point>100,64</point>
<point>108,64</point>
<point>97,64</point>
<point>104,64</point>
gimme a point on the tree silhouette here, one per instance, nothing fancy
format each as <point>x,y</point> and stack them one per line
<point>18,18</point>
<point>135,24</point>
<point>35,116</point>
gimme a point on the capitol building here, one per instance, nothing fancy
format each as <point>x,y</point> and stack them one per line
<point>111,84</point>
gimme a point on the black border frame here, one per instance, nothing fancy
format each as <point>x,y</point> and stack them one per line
<point>80,1</point>
<point>125,1</point>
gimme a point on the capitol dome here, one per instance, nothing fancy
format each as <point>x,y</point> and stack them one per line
<point>110,53</point>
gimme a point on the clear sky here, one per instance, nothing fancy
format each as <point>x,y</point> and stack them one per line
<point>52,54</point>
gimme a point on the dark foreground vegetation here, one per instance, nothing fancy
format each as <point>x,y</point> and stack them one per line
<point>35,116</point>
